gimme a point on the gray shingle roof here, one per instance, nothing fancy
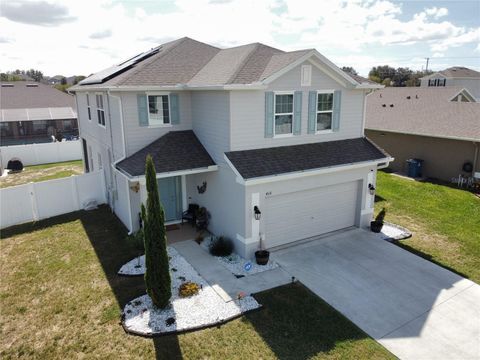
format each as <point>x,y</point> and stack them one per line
<point>460,72</point>
<point>296,158</point>
<point>193,63</point>
<point>431,114</point>
<point>175,151</point>
<point>19,96</point>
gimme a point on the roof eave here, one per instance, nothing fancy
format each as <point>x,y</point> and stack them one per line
<point>461,138</point>
<point>161,175</point>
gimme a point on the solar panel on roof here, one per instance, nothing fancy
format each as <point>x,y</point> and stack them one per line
<point>115,70</point>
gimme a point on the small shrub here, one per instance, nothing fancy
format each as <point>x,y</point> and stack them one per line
<point>221,246</point>
<point>188,289</point>
<point>381,216</point>
<point>199,239</point>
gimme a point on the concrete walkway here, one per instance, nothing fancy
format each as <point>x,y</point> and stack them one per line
<point>416,309</point>
<point>222,280</point>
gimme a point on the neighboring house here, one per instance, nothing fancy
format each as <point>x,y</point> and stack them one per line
<point>231,130</point>
<point>33,113</point>
<point>440,126</point>
<point>454,76</point>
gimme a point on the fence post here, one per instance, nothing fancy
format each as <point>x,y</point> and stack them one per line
<point>76,198</point>
<point>33,199</point>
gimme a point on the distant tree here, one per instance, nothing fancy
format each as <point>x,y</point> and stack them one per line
<point>381,73</point>
<point>387,82</point>
<point>36,75</point>
<point>157,273</point>
<point>402,75</point>
<point>78,79</point>
<point>62,87</point>
<point>414,79</point>
<point>63,81</point>
<point>350,70</point>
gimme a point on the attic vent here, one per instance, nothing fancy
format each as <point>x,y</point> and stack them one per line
<point>306,77</point>
<point>7,85</point>
<point>32,85</point>
<point>416,96</point>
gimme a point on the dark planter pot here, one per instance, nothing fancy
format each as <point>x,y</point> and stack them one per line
<point>376,226</point>
<point>261,256</point>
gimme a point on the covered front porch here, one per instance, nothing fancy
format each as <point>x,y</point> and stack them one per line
<point>179,158</point>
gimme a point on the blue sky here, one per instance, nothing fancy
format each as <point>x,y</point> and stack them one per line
<point>81,37</point>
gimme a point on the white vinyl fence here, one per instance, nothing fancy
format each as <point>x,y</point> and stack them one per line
<point>41,200</point>
<point>34,154</point>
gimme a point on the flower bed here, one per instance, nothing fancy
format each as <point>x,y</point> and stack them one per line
<point>205,309</point>
<point>237,264</point>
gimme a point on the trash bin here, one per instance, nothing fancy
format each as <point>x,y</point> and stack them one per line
<point>414,168</point>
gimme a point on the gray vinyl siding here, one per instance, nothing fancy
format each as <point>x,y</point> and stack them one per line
<point>136,136</point>
<point>248,109</point>
<point>224,199</point>
<point>211,121</point>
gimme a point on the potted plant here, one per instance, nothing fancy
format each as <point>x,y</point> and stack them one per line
<point>377,224</point>
<point>262,255</point>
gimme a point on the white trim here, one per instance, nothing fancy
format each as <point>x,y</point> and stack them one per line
<point>275,93</point>
<point>101,109</point>
<point>89,107</point>
<point>245,241</point>
<point>255,201</point>
<point>313,172</point>
<point>184,192</point>
<point>254,86</point>
<point>461,92</point>
<point>324,131</point>
<point>167,94</point>
<point>142,180</point>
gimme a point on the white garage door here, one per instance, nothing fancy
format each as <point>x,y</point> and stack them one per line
<point>303,214</point>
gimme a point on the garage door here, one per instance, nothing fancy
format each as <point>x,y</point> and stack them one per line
<point>303,214</point>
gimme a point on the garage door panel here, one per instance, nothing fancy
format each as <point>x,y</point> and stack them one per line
<point>297,215</point>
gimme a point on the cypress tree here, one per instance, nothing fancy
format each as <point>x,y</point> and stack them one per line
<point>157,273</point>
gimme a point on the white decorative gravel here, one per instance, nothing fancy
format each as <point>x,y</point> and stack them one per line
<point>393,232</point>
<point>206,308</point>
<point>133,267</point>
<point>236,264</point>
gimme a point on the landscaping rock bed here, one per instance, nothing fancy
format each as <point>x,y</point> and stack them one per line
<point>392,232</point>
<point>205,309</point>
<point>236,264</point>
<point>135,267</point>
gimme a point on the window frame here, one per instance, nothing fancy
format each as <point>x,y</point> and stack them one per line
<point>169,124</point>
<point>89,107</point>
<point>102,109</point>
<point>325,131</point>
<point>275,93</point>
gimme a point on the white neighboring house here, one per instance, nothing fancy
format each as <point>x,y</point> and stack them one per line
<point>253,126</point>
<point>455,76</point>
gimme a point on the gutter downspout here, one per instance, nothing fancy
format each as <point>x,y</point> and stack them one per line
<point>114,164</point>
<point>475,158</point>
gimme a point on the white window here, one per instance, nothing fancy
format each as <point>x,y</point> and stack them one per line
<point>324,111</point>
<point>283,114</point>
<point>306,79</point>
<point>158,110</point>
<point>100,110</point>
<point>89,111</point>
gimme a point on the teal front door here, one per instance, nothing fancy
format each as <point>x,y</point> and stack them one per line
<point>171,197</point>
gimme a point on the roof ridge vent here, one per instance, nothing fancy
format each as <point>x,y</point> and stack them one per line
<point>32,85</point>
<point>7,85</point>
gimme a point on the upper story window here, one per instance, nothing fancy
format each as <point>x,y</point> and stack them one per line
<point>324,111</point>
<point>283,114</point>
<point>89,111</point>
<point>437,82</point>
<point>158,110</point>
<point>100,110</point>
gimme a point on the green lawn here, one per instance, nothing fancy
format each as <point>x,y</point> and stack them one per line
<point>60,298</point>
<point>445,221</point>
<point>36,173</point>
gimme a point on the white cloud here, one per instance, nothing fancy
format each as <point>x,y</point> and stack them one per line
<point>436,12</point>
<point>123,30</point>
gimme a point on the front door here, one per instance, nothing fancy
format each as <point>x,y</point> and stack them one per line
<point>171,197</point>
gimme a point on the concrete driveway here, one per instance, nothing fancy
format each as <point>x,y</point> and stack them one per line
<point>414,308</point>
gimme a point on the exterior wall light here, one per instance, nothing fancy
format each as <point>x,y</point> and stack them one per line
<point>257,213</point>
<point>371,188</point>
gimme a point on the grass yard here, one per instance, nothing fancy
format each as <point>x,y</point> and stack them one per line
<point>61,299</point>
<point>445,221</point>
<point>36,173</point>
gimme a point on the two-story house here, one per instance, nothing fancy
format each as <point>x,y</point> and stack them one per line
<point>455,76</point>
<point>234,130</point>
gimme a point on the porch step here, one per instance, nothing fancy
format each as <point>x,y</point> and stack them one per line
<point>222,280</point>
